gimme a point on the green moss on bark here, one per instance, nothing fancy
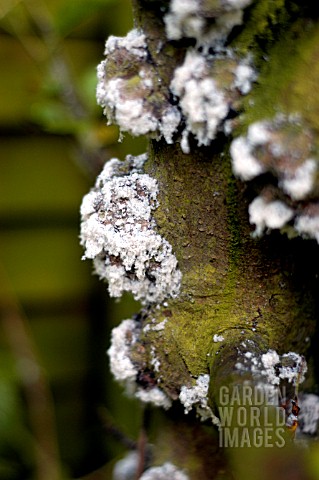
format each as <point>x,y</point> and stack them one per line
<point>288,77</point>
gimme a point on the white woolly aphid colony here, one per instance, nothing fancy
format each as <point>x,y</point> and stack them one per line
<point>272,367</point>
<point>127,467</point>
<point>119,234</point>
<point>197,397</point>
<point>123,339</point>
<point>126,97</point>
<point>282,147</point>
<point>134,98</point>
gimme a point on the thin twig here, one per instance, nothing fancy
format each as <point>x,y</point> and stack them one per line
<point>142,445</point>
<point>115,432</point>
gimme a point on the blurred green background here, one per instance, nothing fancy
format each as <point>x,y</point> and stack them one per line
<point>58,404</point>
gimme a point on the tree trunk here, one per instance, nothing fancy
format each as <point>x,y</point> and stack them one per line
<point>245,299</point>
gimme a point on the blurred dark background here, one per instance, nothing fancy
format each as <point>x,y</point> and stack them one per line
<point>60,411</point>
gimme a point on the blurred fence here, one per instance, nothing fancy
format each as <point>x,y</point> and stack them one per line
<point>55,388</point>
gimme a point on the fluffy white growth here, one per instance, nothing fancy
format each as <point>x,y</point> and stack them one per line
<point>125,469</point>
<point>160,326</point>
<point>244,76</point>
<point>218,338</point>
<point>263,214</point>
<point>281,146</point>
<point>168,471</point>
<point>197,397</point>
<point>185,19</point>
<point>133,42</point>
<point>134,115</point>
<point>268,146</point>
<point>155,328</point>
<point>101,85</point>
<point>129,114</point>
<point>269,360</point>
<point>223,26</point>
<point>274,368</point>
<point>309,413</point>
<point>155,396</point>
<point>258,134</point>
<point>299,184</point>
<point>124,371</point>
<point>293,368</point>
<point>169,122</point>
<point>118,233</point>
<point>308,226</point>
<point>122,338</point>
<point>182,19</point>
<point>244,164</point>
<point>203,104</point>
<point>155,362</point>
<point>290,366</point>
<point>126,105</point>
<point>194,67</point>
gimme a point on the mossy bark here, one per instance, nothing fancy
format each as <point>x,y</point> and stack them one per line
<point>261,290</point>
<point>232,284</point>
